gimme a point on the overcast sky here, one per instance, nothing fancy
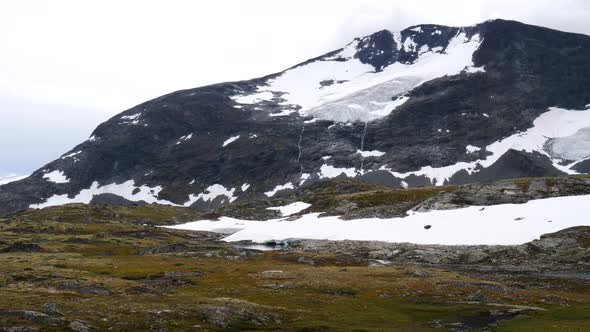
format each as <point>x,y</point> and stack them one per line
<point>66,66</point>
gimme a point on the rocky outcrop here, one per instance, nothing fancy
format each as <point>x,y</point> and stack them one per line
<point>22,247</point>
<point>504,192</point>
<point>233,313</point>
<point>566,250</point>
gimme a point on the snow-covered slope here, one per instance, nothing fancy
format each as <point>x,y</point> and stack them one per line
<point>559,134</point>
<point>339,87</point>
<point>9,179</point>
<point>491,225</point>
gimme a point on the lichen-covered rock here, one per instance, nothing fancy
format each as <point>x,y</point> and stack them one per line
<point>507,192</point>
<point>84,288</point>
<point>79,326</point>
<point>31,315</point>
<point>564,250</point>
<point>231,313</point>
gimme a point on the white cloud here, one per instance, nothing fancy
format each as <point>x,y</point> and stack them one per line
<point>111,55</point>
<point>32,134</point>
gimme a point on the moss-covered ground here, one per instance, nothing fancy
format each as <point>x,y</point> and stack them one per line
<point>94,268</point>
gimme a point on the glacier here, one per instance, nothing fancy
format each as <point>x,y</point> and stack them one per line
<point>359,93</point>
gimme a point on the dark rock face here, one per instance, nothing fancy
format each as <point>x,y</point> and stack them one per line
<point>512,165</point>
<point>22,247</point>
<point>507,192</point>
<point>178,145</point>
<point>381,49</point>
<point>113,200</point>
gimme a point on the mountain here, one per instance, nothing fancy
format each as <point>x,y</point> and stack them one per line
<point>429,105</point>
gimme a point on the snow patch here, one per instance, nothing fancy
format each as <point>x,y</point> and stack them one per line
<point>56,177</point>
<point>293,208</point>
<point>472,149</point>
<point>245,187</point>
<point>73,154</point>
<point>555,123</point>
<point>328,172</point>
<point>184,138</point>
<point>304,177</point>
<point>279,188</point>
<point>472,70</point>
<point>397,38</point>
<point>409,44</point>
<point>253,98</point>
<point>211,193</point>
<point>131,119</point>
<point>494,225</point>
<point>230,140</point>
<point>125,190</point>
<point>373,153</point>
<point>283,113</point>
<point>347,52</point>
<point>423,49</point>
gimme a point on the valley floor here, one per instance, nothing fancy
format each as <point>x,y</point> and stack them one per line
<point>85,268</point>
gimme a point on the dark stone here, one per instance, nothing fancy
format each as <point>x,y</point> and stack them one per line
<point>84,289</point>
<point>326,83</point>
<point>22,247</point>
<point>19,329</point>
<point>180,274</point>
<point>112,199</point>
<point>79,326</point>
<point>162,249</point>
<point>51,309</point>
<point>236,313</point>
<point>30,315</point>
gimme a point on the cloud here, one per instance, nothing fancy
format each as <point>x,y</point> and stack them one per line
<point>107,56</point>
<point>34,134</point>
